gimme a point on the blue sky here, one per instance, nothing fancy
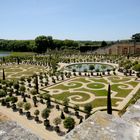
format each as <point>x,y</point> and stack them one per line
<point>69,19</point>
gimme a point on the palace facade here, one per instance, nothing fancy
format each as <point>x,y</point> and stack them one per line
<point>120,49</point>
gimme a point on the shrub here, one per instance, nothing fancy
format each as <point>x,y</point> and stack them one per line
<point>69,123</point>
<point>2,93</point>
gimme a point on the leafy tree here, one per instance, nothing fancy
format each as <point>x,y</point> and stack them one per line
<point>136,37</point>
<point>48,98</point>
<point>33,91</point>
<point>2,93</point>
<point>91,67</point>
<point>137,69</point>
<point>14,99</point>
<point>66,103</point>
<point>27,106</point>
<point>45,113</point>
<point>34,100</point>
<point>103,44</point>
<point>109,105</point>
<point>22,89</point>
<point>20,104</point>
<point>16,86</point>
<point>88,108</point>
<point>36,112</point>
<point>69,123</point>
<point>41,43</point>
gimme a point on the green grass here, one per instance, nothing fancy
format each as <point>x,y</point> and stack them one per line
<point>117,79</point>
<point>120,92</point>
<point>18,70</point>
<point>13,70</point>
<point>101,80</point>
<point>95,85</point>
<point>132,83</point>
<point>95,92</point>
<point>69,86</point>
<point>102,102</point>
<point>132,101</point>
<point>22,53</point>
<point>65,95</point>
<point>83,80</point>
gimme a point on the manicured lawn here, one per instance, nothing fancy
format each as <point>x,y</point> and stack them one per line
<point>95,92</point>
<point>116,79</point>
<point>17,71</point>
<point>13,70</point>
<point>120,92</point>
<point>101,80</point>
<point>83,80</point>
<point>68,86</point>
<point>133,83</point>
<point>65,95</point>
<point>102,102</point>
<point>95,85</point>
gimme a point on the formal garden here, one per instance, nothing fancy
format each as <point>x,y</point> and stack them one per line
<point>93,90</point>
<point>57,94</point>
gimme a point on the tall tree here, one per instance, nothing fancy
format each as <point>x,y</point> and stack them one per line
<point>36,84</point>
<point>103,44</point>
<point>109,104</point>
<point>3,74</point>
<point>136,38</point>
<point>41,43</point>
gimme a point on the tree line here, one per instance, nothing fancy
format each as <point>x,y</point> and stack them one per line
<point>42,44</point>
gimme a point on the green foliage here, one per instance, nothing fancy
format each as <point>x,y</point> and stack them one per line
<point>91,67</point>
<point>103,44</point>
<point>16,86</point>
<point>41,43</point>
<point>36,112</point>
<point>136,37</point>
<point>66,102</point>
<point>33,92</point>
<point>45,113</point>
<point>27,106</point>
<point>20,104</point>
<point>88,108</point>
<point>69,123</point>
<point>137,67</point>
<point>2,93</point>
<point>14,99</point>
<point>22,88</point>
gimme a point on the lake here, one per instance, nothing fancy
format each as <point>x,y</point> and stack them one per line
<point>2,54</point>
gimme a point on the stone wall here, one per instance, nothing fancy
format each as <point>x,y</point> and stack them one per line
<point>120,49</point>
<point>102,126</point>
